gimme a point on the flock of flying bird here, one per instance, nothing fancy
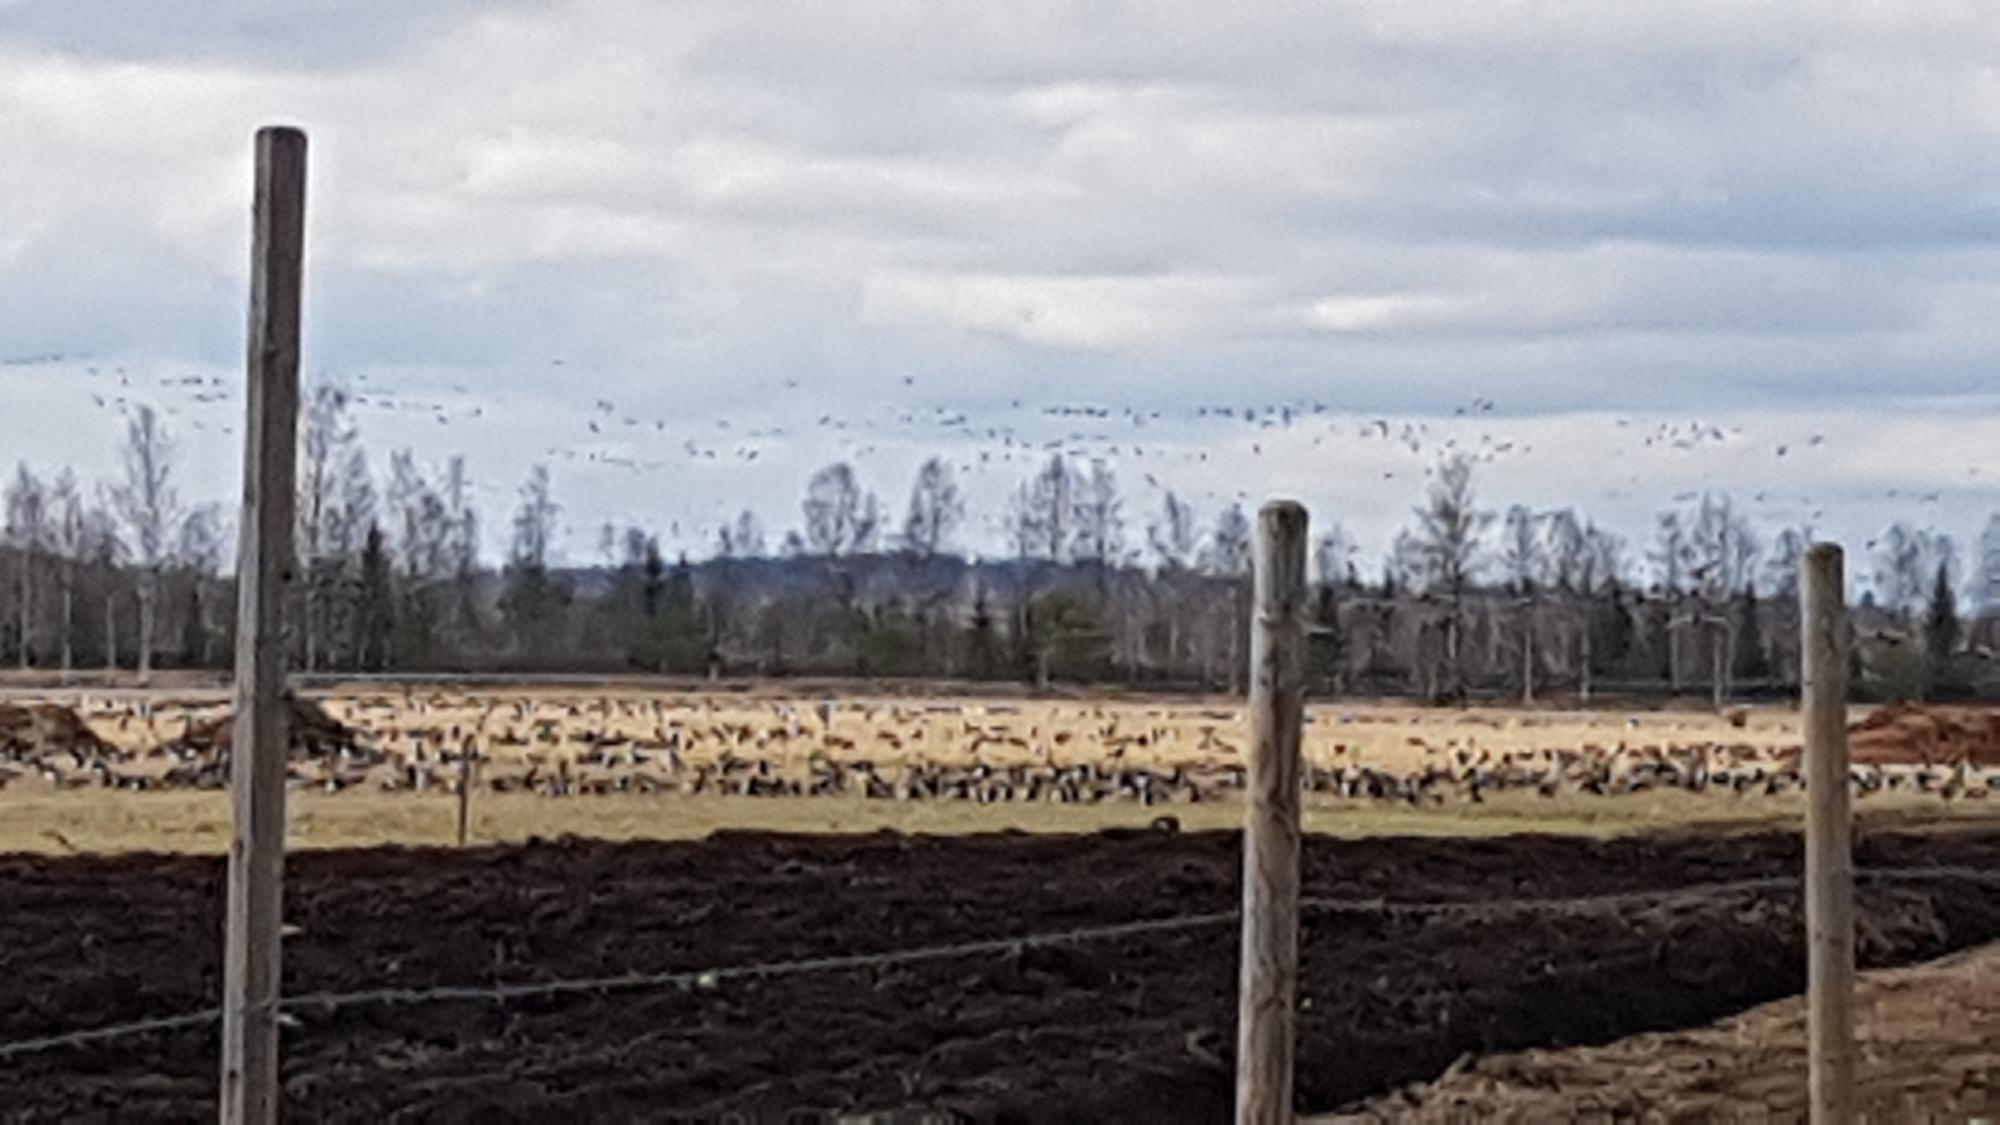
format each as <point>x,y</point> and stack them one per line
<point>1161,447</point>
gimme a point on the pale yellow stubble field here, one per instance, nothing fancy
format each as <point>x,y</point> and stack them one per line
<point>545,730</point>
<point>523,727</point>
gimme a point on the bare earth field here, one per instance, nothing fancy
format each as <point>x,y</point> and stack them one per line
<point>1133,1027</point>
<point>940,851</point>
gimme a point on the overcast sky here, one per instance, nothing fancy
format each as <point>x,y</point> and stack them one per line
<point>785,234</point>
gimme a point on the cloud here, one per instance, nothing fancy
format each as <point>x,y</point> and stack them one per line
<point>1085,312</point>
<point>774,214</point>
<point>309,34</point>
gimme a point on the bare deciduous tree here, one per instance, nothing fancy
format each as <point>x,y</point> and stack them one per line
<point>1906,560</point>
<point>1228,551</point>
<point>1524,556</point>
<point>936,509</point>
<point>1176,542</point>
<point>1174,537</point>
<point>1670,560</point>
<point>148,504</point>
<point>416,518</point>
<point>1781,566</point>
<point>1042,513</point>
<point>1599,569</point>
<point>840,517</point>
<point>1722,555</point>
<point>461,547</point>
<point>67,528</point>
<point>198,556</point>
<point>105,552</point>
<point>742,538</point>
<point>1334,555</point>
<point>349,519</point>
<point>1100,518</point>
<point>328,441</point>
<point>532,597</point>
<point>1228,557</point>
<point>28,534</point>
<point>535,520</point>
<point>1444,552</point>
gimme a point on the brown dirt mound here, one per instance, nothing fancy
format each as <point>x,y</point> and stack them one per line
<point>1910,734</point>
<point>315,734</point>
<point>41,727</point>
<point>1930,1051</point>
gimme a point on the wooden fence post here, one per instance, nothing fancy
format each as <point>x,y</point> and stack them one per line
<point>1270,958</point>
<point>264,565</point>
<point>1829,828</point>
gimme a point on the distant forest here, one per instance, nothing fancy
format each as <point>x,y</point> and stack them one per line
<point>1474,600</point>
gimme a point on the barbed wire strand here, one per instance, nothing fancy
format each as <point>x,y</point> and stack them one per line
<point>714,977</point>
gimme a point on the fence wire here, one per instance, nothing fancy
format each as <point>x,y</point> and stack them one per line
<point>715,977</point>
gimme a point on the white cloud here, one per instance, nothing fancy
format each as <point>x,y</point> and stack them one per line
<point>1573,208</point>
<point>1095,313</point>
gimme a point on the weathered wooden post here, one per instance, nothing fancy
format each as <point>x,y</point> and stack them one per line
<point>1829,830</point>
<point>1270,958</point>
<point>264,565</point>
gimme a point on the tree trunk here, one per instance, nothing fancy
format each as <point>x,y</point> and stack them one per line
<point>1673,657</point>
<point>111,632</point>
<point>27,604</point>
<point>1718,667</point>
<point>1237,641</point>
<point>68,623</point>
<point>1583,672</point>
<point>1452,670</point>
<point>1140,657</point>
<point>1433,667</point>
<point>149,595</point>
<point>310,619</point>
<point>1528,664</point>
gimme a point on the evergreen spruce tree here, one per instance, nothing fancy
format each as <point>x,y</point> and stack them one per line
<point>1328,645</point>
<point>1752,659</point>
<point>1941,631</point>
<point>375,609</point>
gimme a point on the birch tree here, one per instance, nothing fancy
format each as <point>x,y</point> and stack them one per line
<point>68,542</point>
<point>327,439</point>
<point>1446,549</point>
<point>148,504</point>
<point>28,533</point>
<point>841,518</point>
<point>936,509</point>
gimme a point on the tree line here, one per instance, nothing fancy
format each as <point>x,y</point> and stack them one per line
<point>1470,600</point>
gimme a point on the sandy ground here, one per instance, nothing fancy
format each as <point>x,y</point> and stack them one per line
<point>1930,1051</point>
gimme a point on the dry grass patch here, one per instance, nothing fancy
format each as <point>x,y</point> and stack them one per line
<point>56,823</point>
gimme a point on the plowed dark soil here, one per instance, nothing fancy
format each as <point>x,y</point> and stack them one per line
<point>1137,1028</point>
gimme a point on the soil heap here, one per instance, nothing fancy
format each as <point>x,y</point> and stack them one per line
<point>41,727</point>
<point>1911,734</point>
<point>314,733</point>
<point>26,729</point>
